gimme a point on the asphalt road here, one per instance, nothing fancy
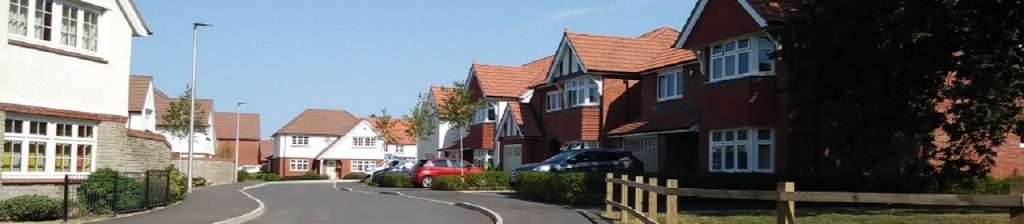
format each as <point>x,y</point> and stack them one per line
<point>322,203</point>
<point>205,205</point>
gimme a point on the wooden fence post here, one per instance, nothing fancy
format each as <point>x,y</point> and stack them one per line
<point>652,199</point>
<point>671,206</point>
<point>624,199</point>
<point>1017,213</point>
<point>609,190</point>
<point>785,211</point>
<point>638,199</point>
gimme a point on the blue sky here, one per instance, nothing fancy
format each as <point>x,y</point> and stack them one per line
<point>282,57</point>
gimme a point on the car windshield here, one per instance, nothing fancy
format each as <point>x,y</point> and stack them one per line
<point>561,157</point>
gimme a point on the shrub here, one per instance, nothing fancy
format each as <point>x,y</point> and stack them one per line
<point>242,175</point>
<point>490,180</point>
<point>306,176</point>
<point>264,176</point>
<point>559,188</point>
<point>354,176</point>
<point>393,180</point>
<point>177,191</point>
<point>199,181</point>
<point>31,208</point>
<point>448,183</point>
<point>98,191</point>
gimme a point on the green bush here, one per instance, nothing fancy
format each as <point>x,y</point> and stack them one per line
<point>31,208</point>
<point>199,181</point>
<point>354,176</point>
<point>306,176</point>
<point>448,183</point>
<point>177,179</point>
<point>490,180</point>
<point>986,185</point>
<point>98,191</point>
<point>264,176</point>
<point>393,180</point>
<point>551,187</point>
<point>242,175</point>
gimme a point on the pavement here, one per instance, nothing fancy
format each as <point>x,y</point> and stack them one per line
<point>511,209</point>
<point>204,205</point>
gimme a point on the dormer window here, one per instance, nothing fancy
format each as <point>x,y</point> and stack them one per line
<point>743,57</point>
<point>486,114</point>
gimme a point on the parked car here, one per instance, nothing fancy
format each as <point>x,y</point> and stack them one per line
<point>250,168</point>
<point>423,173</point>
<point>403,167</point>
<point>585,160</point>
<point>382,166</point>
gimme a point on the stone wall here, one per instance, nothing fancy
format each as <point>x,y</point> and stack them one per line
<point>216,172</point>
<point>110,145</point>
<point>145,151</point>
<point>49,190</point>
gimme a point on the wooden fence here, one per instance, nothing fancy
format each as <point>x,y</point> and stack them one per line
<point>785,196</point>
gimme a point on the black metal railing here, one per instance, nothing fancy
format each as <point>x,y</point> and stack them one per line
<point>112,193</point>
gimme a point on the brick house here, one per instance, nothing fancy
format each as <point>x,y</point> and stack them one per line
<point>326,142</point>
<point>64,84</point>
<point>204,145</point>
<point>589,90</point>
<point>443,134</point>
<point>404,145</point>
<point>248,135</point>
<point>496,86</point>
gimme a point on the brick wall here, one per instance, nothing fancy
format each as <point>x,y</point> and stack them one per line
<point>721,20</point>
<point>248,150</point>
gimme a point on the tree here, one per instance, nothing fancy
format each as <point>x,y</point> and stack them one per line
<point>880,71</point>
<point>385,126</point>
<point>459,108</point>
<point>421,123</point>
<point>177,114</point>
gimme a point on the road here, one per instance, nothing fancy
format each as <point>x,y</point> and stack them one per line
<point>322,203</point>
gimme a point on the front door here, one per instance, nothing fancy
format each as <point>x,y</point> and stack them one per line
<point>330,166</point>
<point>513,157</point>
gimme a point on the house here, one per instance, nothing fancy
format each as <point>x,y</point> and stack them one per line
<point>141,104</point>
<point>266,151</point>
<point>590,89</point>
<point>741,118</point>
<point>404,145</point>
<point>326,142</point>
<point>442,135</point>
<point>204,144</point>
<point>64,86</point>
<point>496,86</point>
<point>248,135</point>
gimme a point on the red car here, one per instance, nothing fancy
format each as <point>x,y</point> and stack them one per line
<point>425,170</point>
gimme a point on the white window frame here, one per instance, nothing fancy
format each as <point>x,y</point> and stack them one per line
<point>50,141</point>
<point>300,140</point>
<point>57,27</point>
<point>399,148</point>
<point>298,165</point>
<point>553,100</point>
<point>361,165</point>
<point>752,144</point>
<point>364,142</point>
<point>753,51</point>
<point>577,92</point>
<point>675,79</point>
<point>483,114</point>
<point>580,144</point>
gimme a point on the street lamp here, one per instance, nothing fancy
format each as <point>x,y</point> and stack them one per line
<point>238,122</point>
<point>192,105</point>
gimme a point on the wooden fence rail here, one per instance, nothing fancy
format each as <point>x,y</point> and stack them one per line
<point>786,197</point>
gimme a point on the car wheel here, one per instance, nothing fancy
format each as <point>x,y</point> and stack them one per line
<point>427,181</point>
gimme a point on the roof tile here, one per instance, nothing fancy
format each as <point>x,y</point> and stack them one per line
<point>320,122</point>
<point>138,88</point>
<point>651,50</point>
<point>249,125</point>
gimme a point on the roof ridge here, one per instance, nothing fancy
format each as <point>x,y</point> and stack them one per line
<point>537,60</point>
<point>291,121</point>
<point>602,35</point>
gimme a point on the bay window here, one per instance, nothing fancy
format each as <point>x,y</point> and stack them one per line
<point>741,150</point>
<point>44,148</point>
<point>554,100</point>
<point>742,57</point>
<point>581,92</point>
<point>670,86</point>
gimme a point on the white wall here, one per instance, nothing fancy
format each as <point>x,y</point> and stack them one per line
<point>146,119</point>
<point>407,150</point>
<point>283,146</point>
<point>345,150</point>
<point>37,78</point>
<point>203,143</point>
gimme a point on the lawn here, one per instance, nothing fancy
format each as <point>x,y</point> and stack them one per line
<point>849,216</point>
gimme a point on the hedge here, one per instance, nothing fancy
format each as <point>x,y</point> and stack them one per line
<point>489,180</point>
<point>306,176</point>
<point>354,176</point>
<point>552,187</point>
<point>31,208</point>
<point>99,190</point>
<point>448,183</point>
<point>264,176</point>
<point>393,180</point>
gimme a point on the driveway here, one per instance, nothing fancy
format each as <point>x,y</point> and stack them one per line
<point>323,203</point>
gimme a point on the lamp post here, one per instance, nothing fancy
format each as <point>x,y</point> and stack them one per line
<point>192,105</point>
<point>238,122</point>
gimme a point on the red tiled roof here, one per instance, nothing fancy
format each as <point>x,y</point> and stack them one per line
<point>266,148</point>
<point>398,130</point>
<point>660,121</point>
<point>138,88</point>
<point>249,127</point>
<point>524,119</point>
<point>320,122</point>
<point>510,81</point>
<point>651,50</point>
<point>440,93</point>
<point>773,10</point>
<point>204,107</point>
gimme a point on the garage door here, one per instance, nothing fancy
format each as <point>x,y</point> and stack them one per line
<point>646,149</point>
<point>513,157</point>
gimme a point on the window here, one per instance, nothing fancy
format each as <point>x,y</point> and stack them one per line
<point>364,141</point>
<point>10,159</point>
<point>298,165</point>
<point>400,148</point>
<point>83,155</point>
<point>670,86</point>
<point>89,30</point>
<point>486,114</point>
<point>69,26</point>
<point>17,17</point>
<point>554,100</point>
<point>62,161</point>
<point>580,145</point>
<point>84,131</point>
<point>36,156</point>
<point>742,150</point>
<point>43,19</point>
<point>581,92</point>
<point>64,130</point>
<point>37,128</point>
<point>13,126</point>
<point>300,140</point>
<point>734,59</point>
<point>361,165</point>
